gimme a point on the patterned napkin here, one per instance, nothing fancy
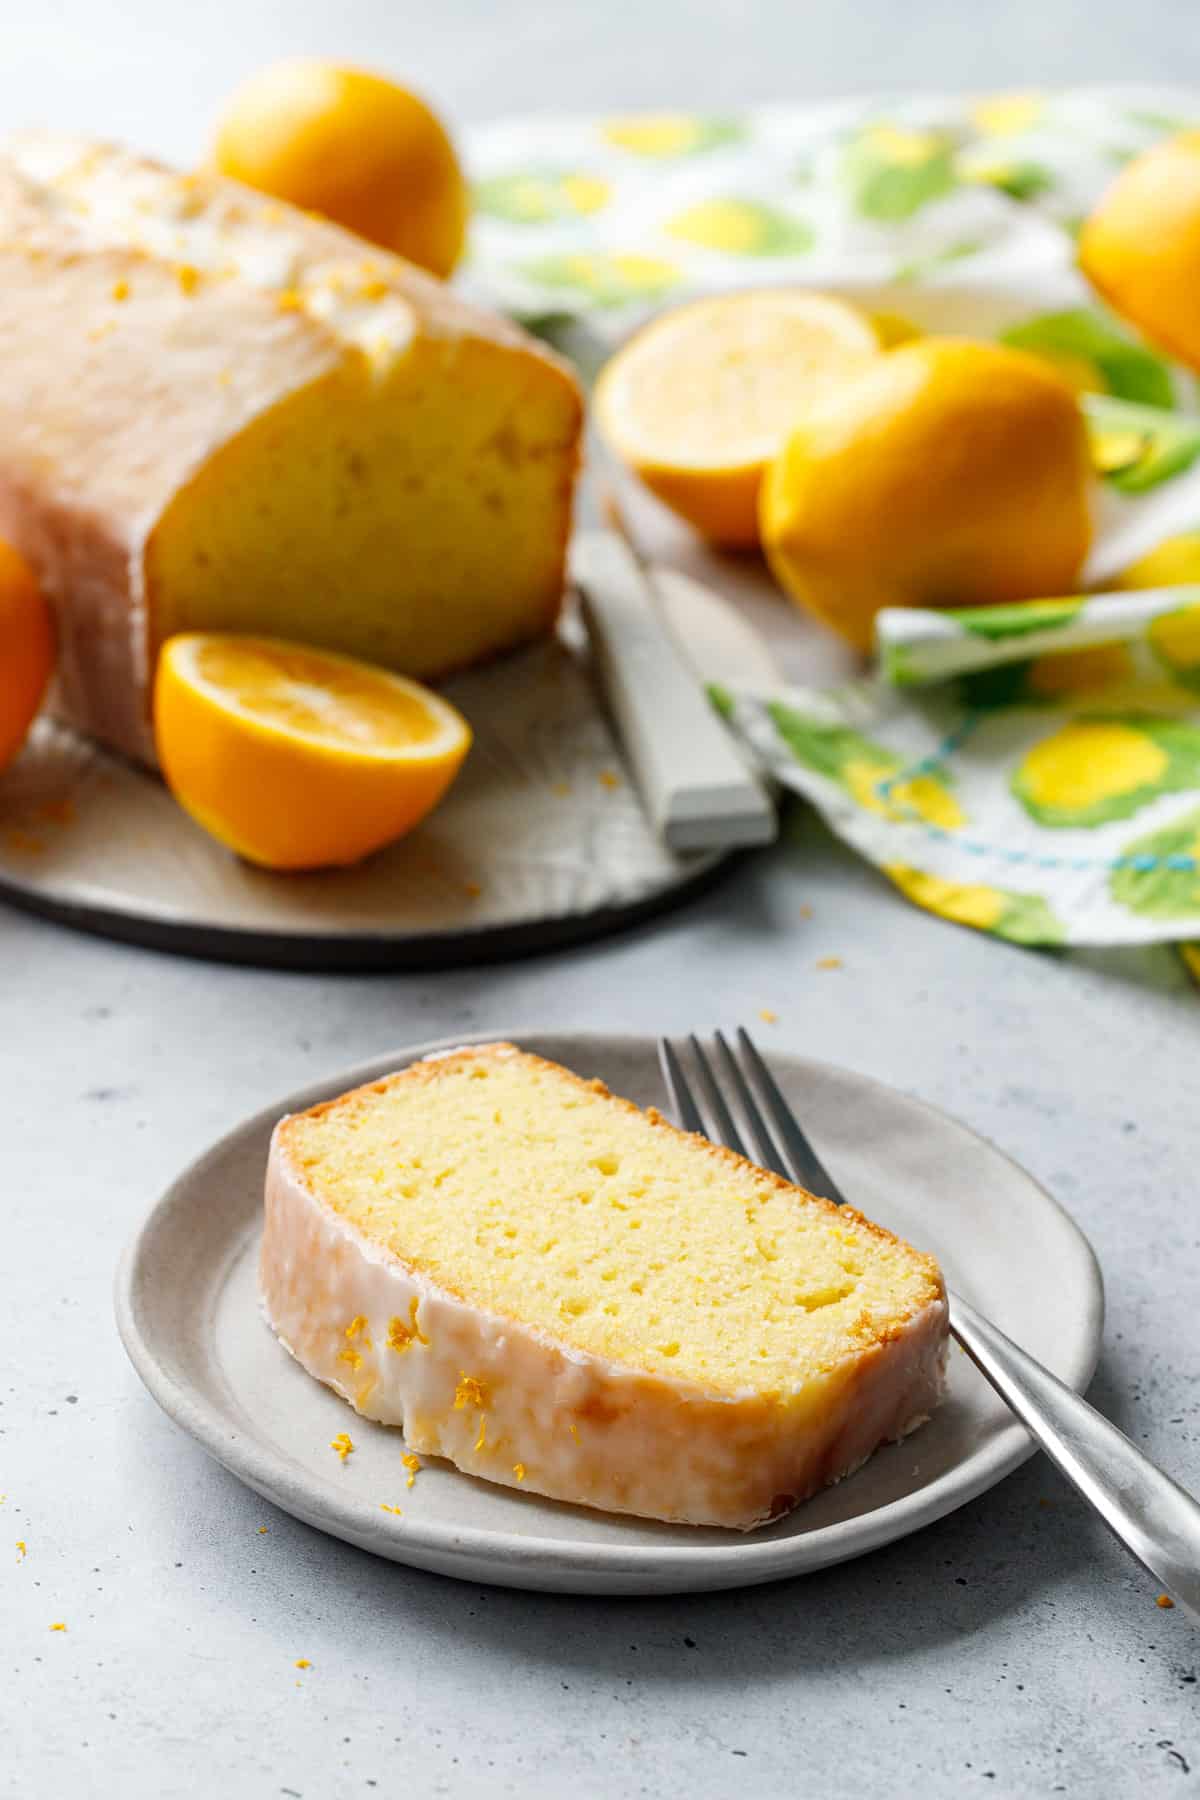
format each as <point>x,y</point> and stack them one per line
<point>1032,770</point>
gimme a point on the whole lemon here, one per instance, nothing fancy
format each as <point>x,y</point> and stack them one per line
<point>354,147</point>
<point>1141,246</point>
<point>26,650</point>
<point>943,473</point>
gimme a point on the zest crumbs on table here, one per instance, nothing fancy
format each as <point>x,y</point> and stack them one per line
<point>767,1016</point>
<point>58,1625</point>
<point>22,1552</point>
<point>302,1662</point>
<point>343,1444</point>
<point>412,1464</point>
<point>829,962</point>
<point>609,779</point>
<point>1166,1602</point>
<point>397,1510</point>
<point>262,1531</point>
<point>804,912</point>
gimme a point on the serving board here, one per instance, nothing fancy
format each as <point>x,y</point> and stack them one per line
<point>540,842</point>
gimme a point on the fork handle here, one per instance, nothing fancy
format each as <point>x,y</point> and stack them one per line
<point>1151,1514</point>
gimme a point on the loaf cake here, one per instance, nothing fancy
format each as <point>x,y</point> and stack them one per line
<point>561,1293</point>
<point>221,413</point>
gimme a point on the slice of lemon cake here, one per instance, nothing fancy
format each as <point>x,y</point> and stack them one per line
<point>560,1292</point>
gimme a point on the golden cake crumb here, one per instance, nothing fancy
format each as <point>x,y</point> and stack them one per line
<point>343,1444</point>
<point>1165,1601</point>
<point>519,1471</point>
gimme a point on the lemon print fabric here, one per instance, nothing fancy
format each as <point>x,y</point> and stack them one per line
<point>742,228</point>
<point>1022,918</point>
<point>540,196</point>
<point>1158,876</point>
<point>874,777</point>
<point>892,171</point>
<point>664,136</point>
<point>1093,771</point>
<point>606,278</point>
<point>1028,769</point>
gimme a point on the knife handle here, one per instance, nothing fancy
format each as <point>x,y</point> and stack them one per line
<point>696,789</point>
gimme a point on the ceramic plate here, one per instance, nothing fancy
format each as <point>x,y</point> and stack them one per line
<point>187,1311</point>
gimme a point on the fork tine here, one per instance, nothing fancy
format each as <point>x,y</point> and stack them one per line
<point>682,1102</point>
<point>768,1154</point>
<point>726,1127</point>
<point>806,1166</point>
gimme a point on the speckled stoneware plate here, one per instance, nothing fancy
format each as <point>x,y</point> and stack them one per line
<point>542,841</point>
<point>187,1310</point>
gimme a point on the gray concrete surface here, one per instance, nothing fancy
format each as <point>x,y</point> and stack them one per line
<point>1009,1650</point>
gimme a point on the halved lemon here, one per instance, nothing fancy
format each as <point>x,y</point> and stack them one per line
<point>26,650</point>
<point>296,758</point>
<point>699,401</point>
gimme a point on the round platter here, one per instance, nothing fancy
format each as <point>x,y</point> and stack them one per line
<point>541,842</point>
<point>187,1311</point>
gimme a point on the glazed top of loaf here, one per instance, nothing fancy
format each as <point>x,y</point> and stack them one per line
<point>71,193</point>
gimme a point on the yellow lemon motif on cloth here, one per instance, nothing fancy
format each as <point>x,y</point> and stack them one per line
<point>1022,918</point>
<point>1097,770</point>
<point>539,197</point>
<point>903,148</point>
<point>1173,563</point>
<point>1007,115</point>
<point>1085,764</point>
<point>1175,640</point>
<point>742,228</point>
<point>874,777</point>
<point>669,134</point>
<point>609,278</point>
<point>892,171</point>
<point>875,787</point>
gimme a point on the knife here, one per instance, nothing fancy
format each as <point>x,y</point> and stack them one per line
<point>698,790</point>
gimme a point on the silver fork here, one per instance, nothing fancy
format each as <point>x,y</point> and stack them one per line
<point>1155,1519</point>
